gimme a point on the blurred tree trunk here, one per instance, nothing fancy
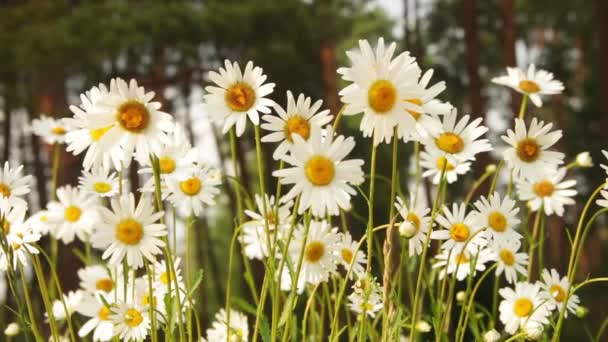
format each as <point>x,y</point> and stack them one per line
<point>601,21</point>
<point>508,44</point>
<point>327,54</point>
<point>6,130</point>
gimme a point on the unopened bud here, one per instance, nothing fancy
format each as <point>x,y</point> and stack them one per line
<point>581,311</point>
<point>491,336</point>
<point>533,330</point>
<point>460,296</point>
<point>583,159</point>
<point>407,229</point>
<point>491,168</point>
<point>12,329</point>
<point>423,327</point>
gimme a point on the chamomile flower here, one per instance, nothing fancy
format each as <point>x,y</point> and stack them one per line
<point>146,298</point>
<point>380,88</point>
<point>51,130</point>
<point>163,276</point>
<point>532,83</point>
<point>131,322</point>
<point>434,163</point>
<point>430,107</point>
<point>321,176</point>
<point>499,216</point>
<point>297,118</point>
<point>73,214</point>
<point>11,213</point>
<point>508,259</point>
<point>192,188</point>
<point>529,155</point>
<point>129,232</point>
<point>39,222</point>
<point>416,215</point>
<point>350,255</point>
<point>456,141</point>
<point>458,228</point>
<point>603,202</point>
<point>99,181</point>
<point>367,299</point>
<point>99,279</point>
<point>605,167</point>
<point>551,192</point>
<point>237,330</point>
<point>86,137</point>
<point>98,315</point>
<point>69,302</point>
<point>237,95</point>
<point>277,220</point>
<point>13,184</point>
<point>20,240</point>
<point>460,261</point>
<point>521,305</point>
<point>321,248</point>
<point>135,123</point>
<point>555,290</point>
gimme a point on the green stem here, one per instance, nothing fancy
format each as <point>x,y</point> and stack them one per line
<point>235,163</point>
<point>472,296</point>
<point>370,211</point>
<point>229,281</point>
<point>535,228</point>
<point>522,108</point>
<point>30,309</point>
<point>152,299</point>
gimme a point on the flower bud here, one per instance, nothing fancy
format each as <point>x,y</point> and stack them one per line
<point>12,329</point>
<point>491,168</point>
<point>423,327</point>
<point>581,311</point>
<point>407,229</point>
<point>491,336</point>
<point>460,296</point>
<point>583,159</point>
<point>533,330</point>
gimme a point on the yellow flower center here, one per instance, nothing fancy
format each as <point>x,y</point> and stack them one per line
<point>104,313</point>
<point>6,227</point>
<point>459,232</point>
<point>543,188</point>
<point>529,87</point>
<point>299,125</point>
<point>5,190</point>
<point>165,278</point>
<point>129,231</point>
<point>72,213</point>
<point>347,255</point>
<point>414,219</point>
<point>58,130</point>
<point>450,142</point>
<point>43,218</point>
<point>133,116</point>
<point>461,258</point>
<point>133,318</point>
<point>191,186</point>
<point>507,257</point>
<point>497,221</point>
<point>528,150</point>
<point>97,133</point>
<point>240,97</point>
<point>314,251</point>
<point>442,163</point>
<point>167,165</point>
<point>320,170</point>
<point>523,307</point>
<point>104,284</point>
<point>416,115</point>
<point>382,96</point>
<point>145,301</point>
<point>102,187</point>
<point>557,292</point>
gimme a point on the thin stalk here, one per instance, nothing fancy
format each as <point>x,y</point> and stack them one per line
<point>229,281</point>
<point>54,178</point>
<point>152,299</point>
<point>337,119</point>
<point>522,107</point>
<point>370,211</point>
<point>535,228</point>
<point>472,296</point>
<point>30,309</point>
<point>235,164</point>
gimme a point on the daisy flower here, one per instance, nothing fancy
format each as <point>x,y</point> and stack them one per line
<point>430,107</point>
<point>551,192</point>
<point>39,222</point>
<point>162,278</point>
<point>131,322</point>
<point>522,305</point>
<point>51,130</point>
<point>129,232</point>
<point>350,255</point>
<point>603,202</point>
<point>99,318</point>
<point>457,141</point>
<point>297,118</point>
<point>555,290</point>
<point>434,163</point>
<point>237,95</point>
<point>144,298</point>
<point>69,302</point>
<point>193,187</point>
<point>320,248</point>
<point>509,261</point>
<point>99,279</point>
<point>73,214</point>
<point>532,83</point>
<point>13,184</point>
<point>320,174</point>
<point>458,227</point>
<point>380,89</point>
<point>84,136</point>
<point>528,155</point>
<point>417,216</point>
<point>20,240</point>
<point>11,213</point>
<point>135,123</point>
<point>499,215</point>
<point>237,330</point>
<point>460,261</point>
<point>366,299</point>
<point>99,182</point>
<point>277,219</point>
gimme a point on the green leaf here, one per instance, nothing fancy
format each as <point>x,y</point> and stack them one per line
<point>243,305</point>
<point>265,329</point>
<point>196,283</point>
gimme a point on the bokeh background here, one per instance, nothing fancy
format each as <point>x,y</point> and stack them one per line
<point>51,51</point>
